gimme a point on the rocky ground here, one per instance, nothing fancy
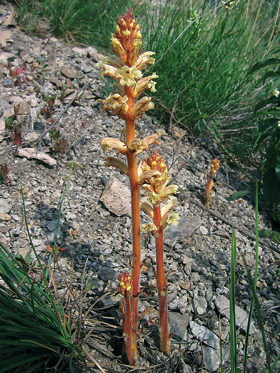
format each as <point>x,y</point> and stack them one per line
<point>97,235</point>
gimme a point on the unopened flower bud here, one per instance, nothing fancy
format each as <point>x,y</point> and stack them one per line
<point>125,283</point>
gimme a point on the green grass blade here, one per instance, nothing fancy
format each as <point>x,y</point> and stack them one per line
<point>255,281</point>
<point>233,343</point>
<point>258,309</point>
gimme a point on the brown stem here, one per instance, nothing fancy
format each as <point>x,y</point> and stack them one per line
<point>161,285</point>
<point>127,330</point>
<point>135,208</point>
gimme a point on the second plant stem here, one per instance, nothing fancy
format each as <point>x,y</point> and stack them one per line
<point>161,285</point>
<point>135,209</point>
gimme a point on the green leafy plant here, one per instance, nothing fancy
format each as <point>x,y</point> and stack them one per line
<point>267,140</point>
<point>49,99</point>
<point>254,305</point>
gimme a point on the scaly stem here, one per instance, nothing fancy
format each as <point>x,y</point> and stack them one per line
<point>161,285</point>
<point>135,208</point>
<point>127,330</point>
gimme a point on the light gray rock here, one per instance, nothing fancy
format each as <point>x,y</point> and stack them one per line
<point>33,153</point>
<point>223,304</point>
<point>179,324</point>
<point>181,232</point>
<point>211,358</point>
<point>205,335</point>
<point>5,206</point>
<point>68,72</point>
<point>116,197</point>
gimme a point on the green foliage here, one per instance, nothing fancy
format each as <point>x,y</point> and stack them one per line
<point>233,341</point>
<point>267,140</point>
<point>84,21</point>
<point>238,195</point>
<point>34,327</point>
<point>274,236</point>
<point>202,54</point>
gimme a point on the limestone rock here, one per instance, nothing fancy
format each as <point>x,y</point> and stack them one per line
<point>116,197</point>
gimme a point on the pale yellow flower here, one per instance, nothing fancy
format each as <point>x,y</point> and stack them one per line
<point>143,84</point>
<point>137,146</point>
<point>115,103</point>
<point>149,228</point>
<point>168,206</point>
<point>142,105</point>
<point>109,144</point>
<point>127,75</point>
<point>143,60</point>
<point>147,208</point>
<point>171,218</point>
<point>117,163</point>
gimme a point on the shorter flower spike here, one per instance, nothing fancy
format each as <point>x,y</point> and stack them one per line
<point>215,167</point>
<point>125,284</point>
<point>210,183</point>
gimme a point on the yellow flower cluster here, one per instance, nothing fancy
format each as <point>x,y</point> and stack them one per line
<point>153,177</point>
<point>125,283</point>
<point>125,67</point>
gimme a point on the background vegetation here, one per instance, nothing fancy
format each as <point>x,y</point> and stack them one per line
<point>204,50</point>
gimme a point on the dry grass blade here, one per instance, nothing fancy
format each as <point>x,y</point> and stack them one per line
<point>93,360</point>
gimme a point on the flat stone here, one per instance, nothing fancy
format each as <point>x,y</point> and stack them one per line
<point>203,230</point>
<point>23,108</point>
<point>180,233</point>
<point>86,68</point>
<point>211,358</point>
<point>69,73</point>
<point>116,197</point>
<point>5,207</point>
<point>30,153</point>
<point>179,324</point>
<point>54,80</point>
<point>223,305</point>
<point>106,274</point>
<point>5,217</point>
<point>205,335</point>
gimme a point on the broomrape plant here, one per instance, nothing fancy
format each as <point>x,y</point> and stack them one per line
<point>125,68</point>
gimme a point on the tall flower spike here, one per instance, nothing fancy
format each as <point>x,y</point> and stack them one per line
<point>125,68</point>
